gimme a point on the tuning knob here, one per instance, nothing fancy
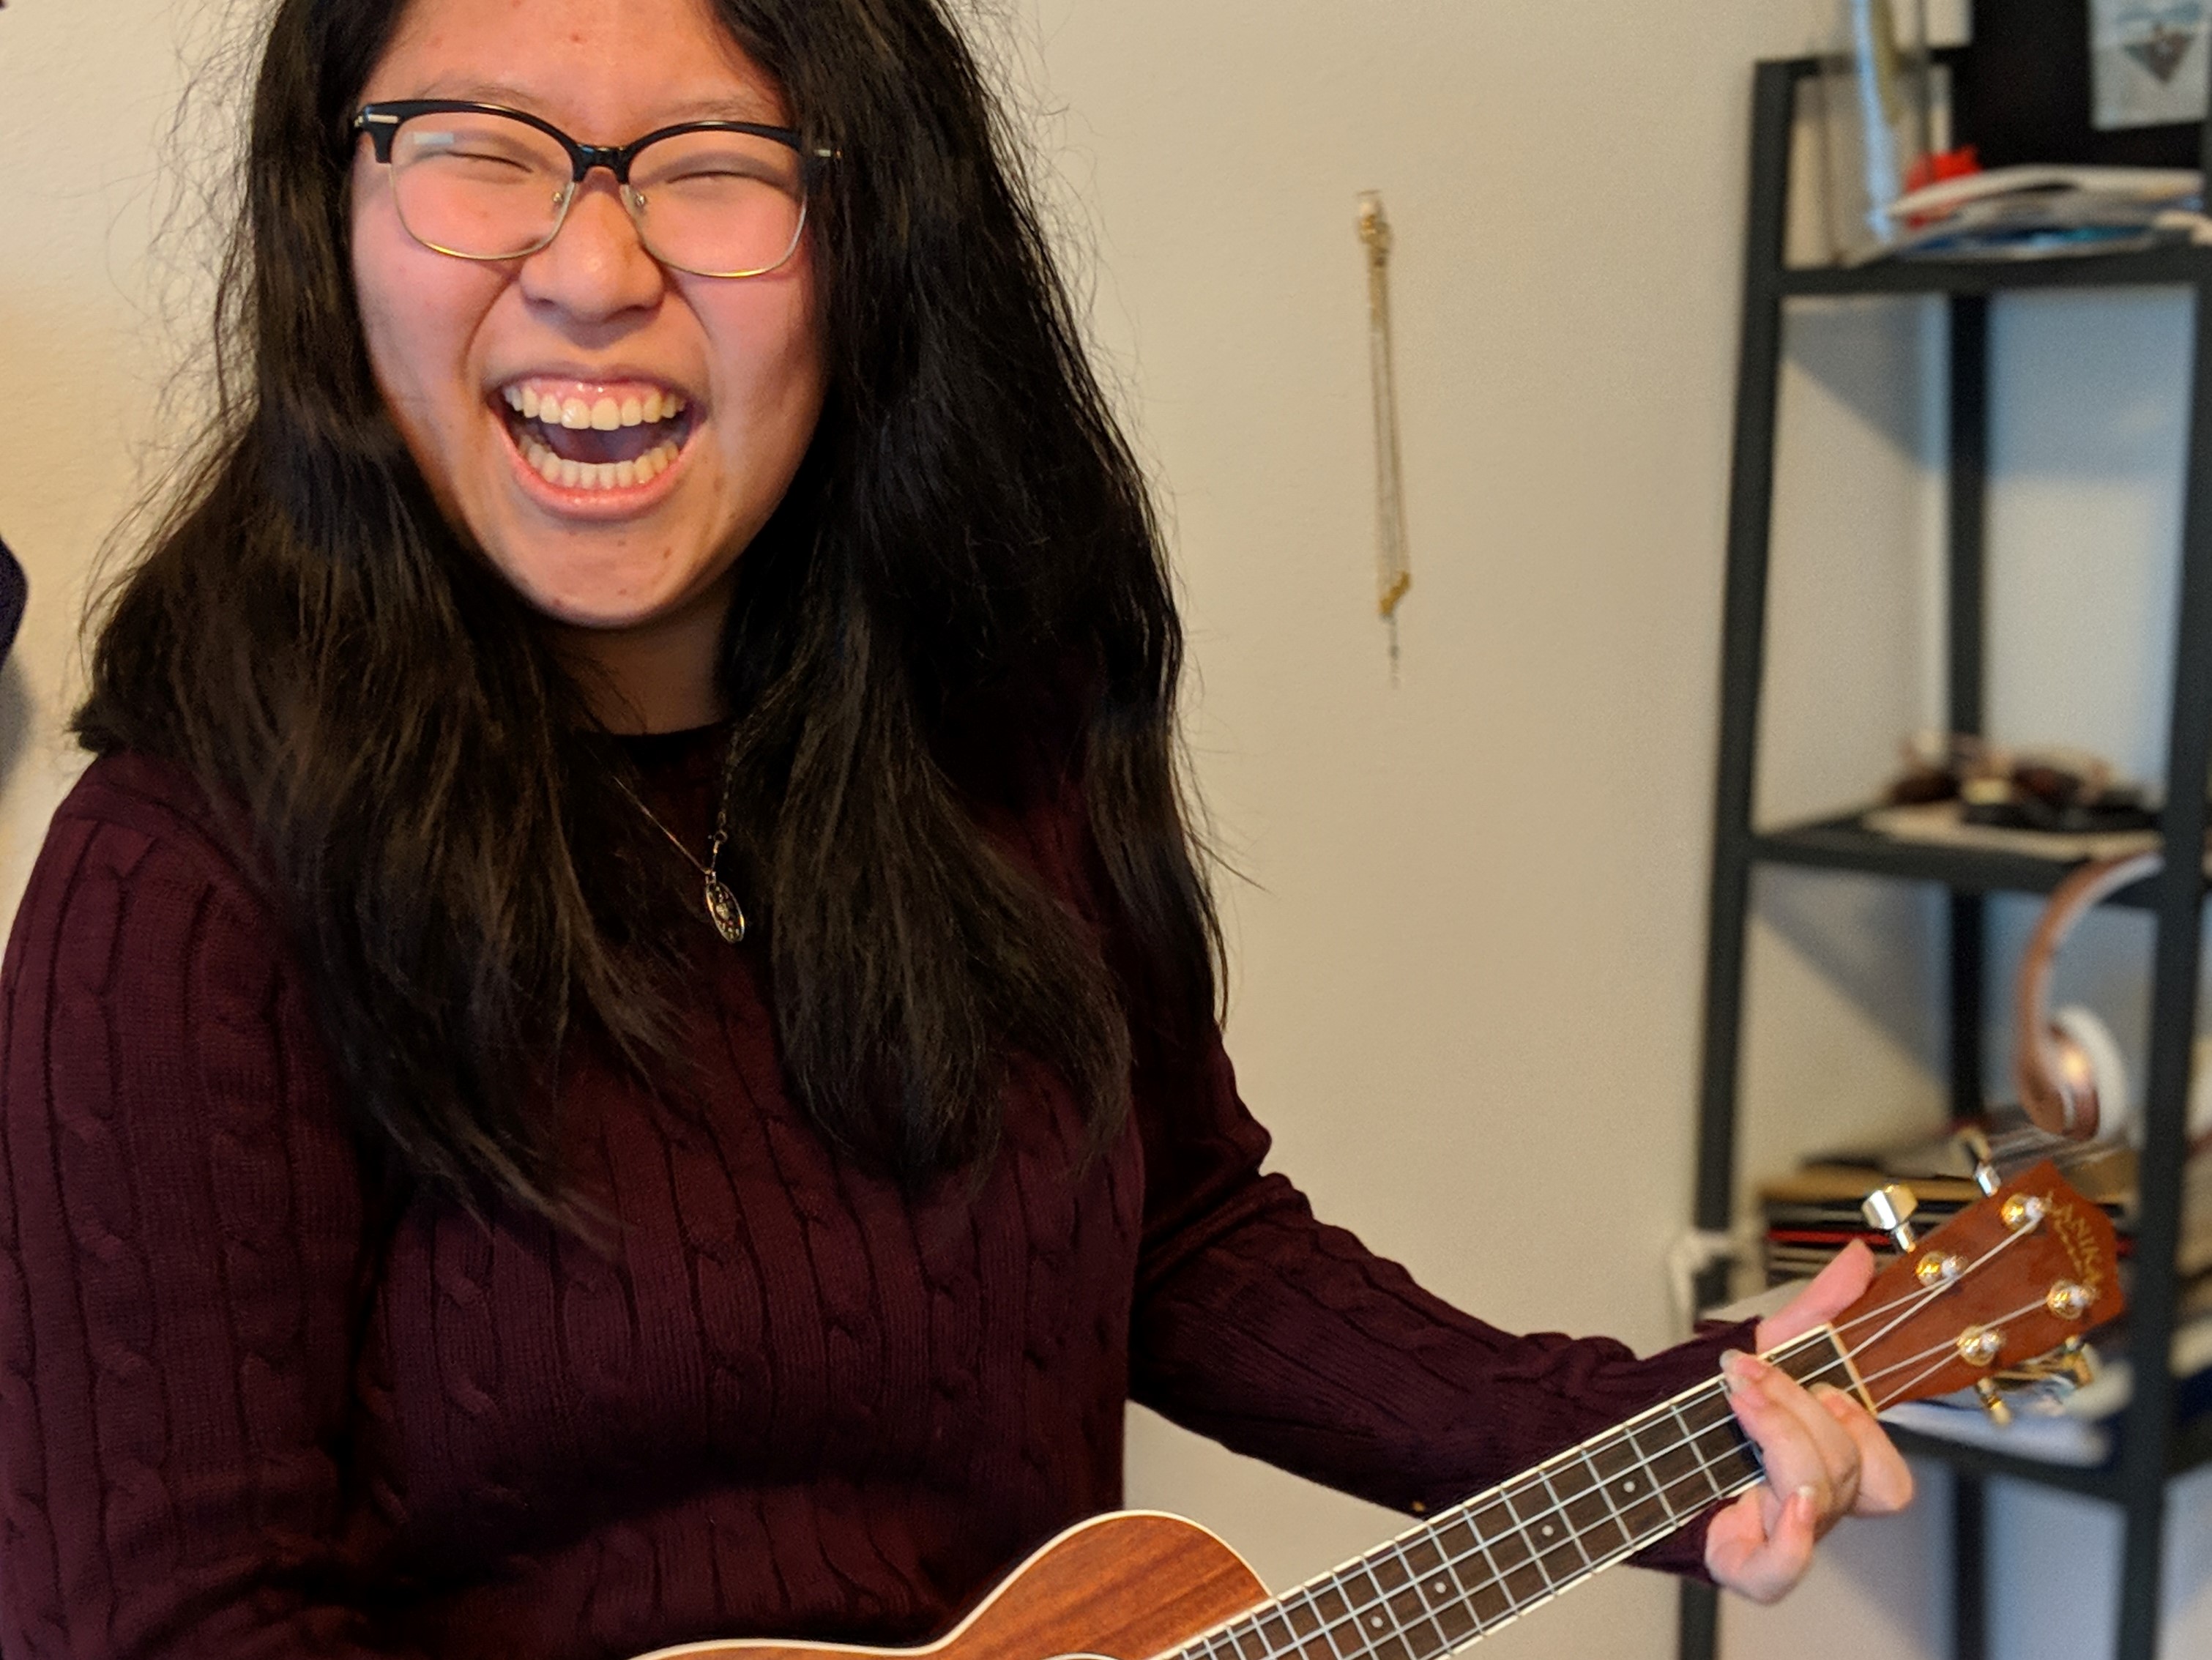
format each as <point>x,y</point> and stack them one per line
<point>2000,1412</point>
<point>2078,1362</point>
<point>1891,1209</point>
<point>1985,1170</point>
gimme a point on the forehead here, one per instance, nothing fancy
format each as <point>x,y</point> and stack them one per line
<point>605,69</point>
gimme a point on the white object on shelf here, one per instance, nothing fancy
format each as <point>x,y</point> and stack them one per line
<point>2162,186</point>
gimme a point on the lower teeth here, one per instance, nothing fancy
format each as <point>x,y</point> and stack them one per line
<point>599,475</point>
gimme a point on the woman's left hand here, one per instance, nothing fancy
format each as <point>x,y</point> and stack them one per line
<point>1826,1457</point>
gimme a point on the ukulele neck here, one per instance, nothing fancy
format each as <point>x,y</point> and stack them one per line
<point>1484,1563</point>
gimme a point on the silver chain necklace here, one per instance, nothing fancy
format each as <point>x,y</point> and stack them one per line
<point>723,909</point>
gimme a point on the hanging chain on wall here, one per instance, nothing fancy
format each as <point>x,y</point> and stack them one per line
<point>1394,571</point>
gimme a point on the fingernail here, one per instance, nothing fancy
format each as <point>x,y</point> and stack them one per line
<point>1809,1500</point>
<point>1739,1368</point>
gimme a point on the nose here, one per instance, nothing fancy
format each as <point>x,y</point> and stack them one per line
<point>596,266</point>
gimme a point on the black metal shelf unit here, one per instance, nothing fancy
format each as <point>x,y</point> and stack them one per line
<point>2151,1446</point>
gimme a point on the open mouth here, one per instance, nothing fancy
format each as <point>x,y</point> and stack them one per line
<point>596,438</point>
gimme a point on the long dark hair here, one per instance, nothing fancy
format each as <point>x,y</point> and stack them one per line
<point>962,601</point>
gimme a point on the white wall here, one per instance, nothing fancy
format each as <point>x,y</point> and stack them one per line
<point>1469,953</point>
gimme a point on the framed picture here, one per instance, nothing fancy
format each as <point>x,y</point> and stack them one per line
<point>2119,82</point>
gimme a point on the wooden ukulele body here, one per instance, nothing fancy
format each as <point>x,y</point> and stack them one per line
<point>1124,1586</point>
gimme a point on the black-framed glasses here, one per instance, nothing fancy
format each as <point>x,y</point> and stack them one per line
<point>477,181</point>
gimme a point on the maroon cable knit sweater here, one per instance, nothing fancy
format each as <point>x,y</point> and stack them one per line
<point>240,1416</point>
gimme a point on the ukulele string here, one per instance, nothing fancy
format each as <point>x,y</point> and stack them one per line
<point>1695,1434</point>
<point>1908,1306</point>
<point>1944,1353</point>
<point>1693,1438</point>
<point>1948,1347</point>
<point>1327,1632</point>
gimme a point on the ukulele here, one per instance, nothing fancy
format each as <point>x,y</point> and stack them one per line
<point>2019,1274</point>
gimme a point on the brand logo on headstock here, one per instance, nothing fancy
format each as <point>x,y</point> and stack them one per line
<point>2080,1239</point>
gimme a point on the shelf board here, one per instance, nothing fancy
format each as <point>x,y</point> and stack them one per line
<point>2192,1447</point>
<point>1845,844</point>
<point>2156,267</point>
<point>2091,1480</point>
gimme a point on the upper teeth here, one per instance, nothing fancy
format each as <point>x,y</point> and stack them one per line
<point>606,414</point>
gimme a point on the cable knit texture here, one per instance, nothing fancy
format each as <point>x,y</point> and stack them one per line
<point>245,1411</point>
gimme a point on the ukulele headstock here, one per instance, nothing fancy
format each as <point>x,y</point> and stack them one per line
<point>2011,1278</point>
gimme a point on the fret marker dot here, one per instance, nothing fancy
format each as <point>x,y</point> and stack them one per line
<point>1547,1530</point>
<point>1377,1622</point>
<point>1628,1487</point>
<point>1436,1590</point>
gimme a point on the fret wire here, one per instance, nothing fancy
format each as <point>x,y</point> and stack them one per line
<point>1449,1567</point>
<point>1537,1549</point>
<point>1692,1436</point>
<point>1663,1492</point>
<point>1322,1624</point>
<point>1421,1595</point>
<point>1303,1597</point>
<point>1444,1574</point>
<point>1352,1614</point>
<point>1491,1578</point>
<point>1604,1491</point>
<point>1559,1508</point>
<point>1325,1628</point>
<point>1460,1515</point>
<point>1528,1540</point>
<point>1676,1517</point>
<point>1357,1612</point>
<point>1268,1648</point>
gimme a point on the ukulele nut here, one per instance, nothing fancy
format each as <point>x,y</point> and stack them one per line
<point>2068,1300</point>
<point>2023,1211</point>
<point>1979,1347</point>
<point>1938,1269</point>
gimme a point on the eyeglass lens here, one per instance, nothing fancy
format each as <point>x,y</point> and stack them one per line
<point>486,186</point>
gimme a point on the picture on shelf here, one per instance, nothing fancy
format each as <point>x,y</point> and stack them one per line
<point>2148,61</point>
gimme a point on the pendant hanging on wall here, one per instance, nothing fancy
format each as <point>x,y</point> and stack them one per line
<point>1394,571</point>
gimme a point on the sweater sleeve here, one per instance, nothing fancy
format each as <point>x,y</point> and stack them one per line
<point>1286,1339</point>
<point>180,1222</point>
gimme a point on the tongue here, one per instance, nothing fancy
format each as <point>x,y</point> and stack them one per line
<point>590,445</point>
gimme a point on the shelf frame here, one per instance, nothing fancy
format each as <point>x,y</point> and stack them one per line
<point>2151,1446</point>
<point>1844,844</point>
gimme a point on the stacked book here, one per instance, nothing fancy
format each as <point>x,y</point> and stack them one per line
<point>1811,1215</point>
<point>2041,212</point>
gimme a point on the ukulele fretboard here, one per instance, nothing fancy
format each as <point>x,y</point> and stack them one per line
<point>1484,1563</point>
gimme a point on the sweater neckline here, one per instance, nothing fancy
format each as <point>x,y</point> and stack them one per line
<point>693,753</point>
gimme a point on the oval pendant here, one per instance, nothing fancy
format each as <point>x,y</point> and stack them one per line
<point>723,910</point>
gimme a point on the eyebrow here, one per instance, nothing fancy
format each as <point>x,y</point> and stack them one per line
<point>739,108</point>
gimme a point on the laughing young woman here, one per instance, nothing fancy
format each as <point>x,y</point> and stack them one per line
<point>619,1044</point>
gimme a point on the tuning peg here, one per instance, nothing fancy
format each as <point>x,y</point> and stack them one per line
<point>1891,1209</point>
<point>1985,1170</point>
<point>1993,1402</point>
<point>2078,1361</point>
